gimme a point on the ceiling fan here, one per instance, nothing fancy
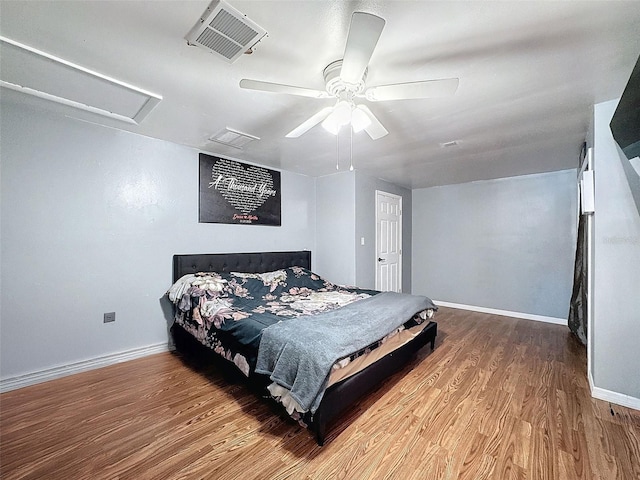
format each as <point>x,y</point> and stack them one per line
<point>345,80</point>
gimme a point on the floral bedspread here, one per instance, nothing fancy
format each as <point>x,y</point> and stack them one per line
<point>228,311</point>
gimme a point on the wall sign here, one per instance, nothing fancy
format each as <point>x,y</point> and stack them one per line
<point>235,192</point>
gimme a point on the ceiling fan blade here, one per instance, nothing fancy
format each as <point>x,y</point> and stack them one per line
<point>280,88</point>
<point>375,129</point>
<point>364,33</point>
<point>310,123</point>
<point>412,90</point>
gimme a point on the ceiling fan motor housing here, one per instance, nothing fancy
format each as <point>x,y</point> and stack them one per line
<point>338,87</point>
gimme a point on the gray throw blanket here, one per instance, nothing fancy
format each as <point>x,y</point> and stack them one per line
<point>298,354</point>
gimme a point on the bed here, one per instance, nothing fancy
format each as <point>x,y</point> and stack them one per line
<point>288,274</point>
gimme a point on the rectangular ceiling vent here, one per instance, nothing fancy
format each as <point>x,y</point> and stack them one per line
<point>225,31</point>
<point>233,138</point>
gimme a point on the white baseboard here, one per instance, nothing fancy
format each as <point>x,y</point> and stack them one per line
<point>14,383</point>
<point>613,397</point>
<point>504,313</point>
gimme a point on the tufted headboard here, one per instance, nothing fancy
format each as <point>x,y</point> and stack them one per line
<point>239,262</point>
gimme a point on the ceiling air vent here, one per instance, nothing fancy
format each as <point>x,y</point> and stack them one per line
<point>233,138</point>
<point>225,31</point>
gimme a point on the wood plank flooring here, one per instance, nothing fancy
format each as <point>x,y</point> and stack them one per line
<point>498,398</point>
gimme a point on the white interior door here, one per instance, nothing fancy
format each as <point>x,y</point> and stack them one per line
<point>388,242</point>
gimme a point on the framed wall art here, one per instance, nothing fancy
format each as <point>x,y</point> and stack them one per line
<point>238,193</point>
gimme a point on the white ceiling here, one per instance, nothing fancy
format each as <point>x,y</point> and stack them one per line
<point>529,73</point>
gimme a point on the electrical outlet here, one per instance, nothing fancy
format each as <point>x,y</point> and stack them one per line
<point>109,317</point>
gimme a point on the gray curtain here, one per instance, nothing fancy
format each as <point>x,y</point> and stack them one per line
<point>578,306</point>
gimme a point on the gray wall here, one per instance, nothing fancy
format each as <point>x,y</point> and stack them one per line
<point>90,219</point>
<point>335,219</point>
<point>345,213</point>
<point>505,244</point>
<point>365,222</point>
<point>616,268</point>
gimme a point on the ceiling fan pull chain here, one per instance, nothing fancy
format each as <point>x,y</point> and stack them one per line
<point>338,151</point>
<point>351,148</point>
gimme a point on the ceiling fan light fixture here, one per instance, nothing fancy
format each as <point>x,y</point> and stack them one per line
<point>331,125</point>
<point>341,115</point>
<point>342,112</point>
<point>359,120</point>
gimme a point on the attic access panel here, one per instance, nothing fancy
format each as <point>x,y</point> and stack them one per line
<point>225,32</point>
<point>40,74</point>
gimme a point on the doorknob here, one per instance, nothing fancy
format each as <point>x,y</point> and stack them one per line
<point>380,259</point>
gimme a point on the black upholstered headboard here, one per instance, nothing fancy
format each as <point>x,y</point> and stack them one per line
<point>239,262</point>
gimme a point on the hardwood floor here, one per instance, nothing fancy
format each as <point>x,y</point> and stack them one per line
<point>498,398</point>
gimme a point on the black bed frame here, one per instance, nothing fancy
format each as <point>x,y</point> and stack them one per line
<point>340,395</point>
